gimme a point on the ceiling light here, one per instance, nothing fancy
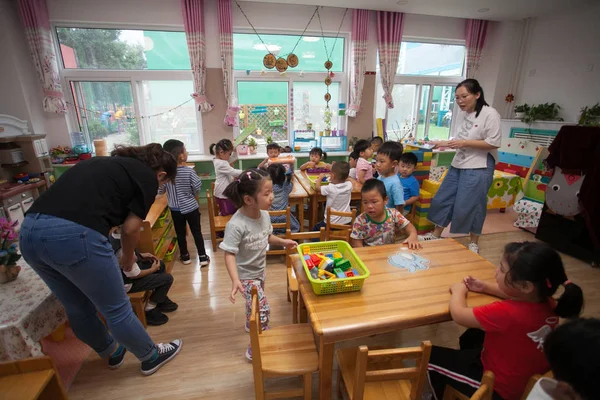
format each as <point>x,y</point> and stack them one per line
<point>402,2</point>
<point>482,10</point>
<point>310,39</point>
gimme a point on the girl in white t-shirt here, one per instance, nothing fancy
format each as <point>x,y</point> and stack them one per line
<point>225,174</point>
<point>338,193</point>
<point>462,197</point>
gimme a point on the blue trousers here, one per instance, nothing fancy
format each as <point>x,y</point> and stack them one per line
<point>79,266</point>
<point>462,199</point>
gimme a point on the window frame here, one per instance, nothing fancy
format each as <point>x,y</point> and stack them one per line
<point>424,80</point>
<point>134,77</point>
<point>294,74</point>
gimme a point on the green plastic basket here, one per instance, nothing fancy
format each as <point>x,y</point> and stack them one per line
<point>160,222</point>
<point>339,285</point>
<point>169,255</point>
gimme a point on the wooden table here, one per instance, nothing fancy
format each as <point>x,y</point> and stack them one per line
<point>391,298</point>
<point>316,198</point>
<point>297,197</point>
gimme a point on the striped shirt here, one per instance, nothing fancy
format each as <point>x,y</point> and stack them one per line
<point>181,194</point>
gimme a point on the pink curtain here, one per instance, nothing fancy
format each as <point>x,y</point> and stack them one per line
<point>476,30</point>
<point>226,42</point>
<point>193,21</point>
<point>360,35</point>
<point>34,15</point>
<point>389,38</point>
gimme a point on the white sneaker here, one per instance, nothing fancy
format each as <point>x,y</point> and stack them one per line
<point>474,247</point>
<point>427,237</point>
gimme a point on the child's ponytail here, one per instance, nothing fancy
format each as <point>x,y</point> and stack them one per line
<point>211,149</point>
<point>247,184</point>
<point>541,265</point>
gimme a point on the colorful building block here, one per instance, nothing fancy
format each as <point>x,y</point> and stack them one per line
<point>306,250</point>
<point>337,254</point>
<point>349,274</point>
<point>343,264</point>
<point>339,273</point>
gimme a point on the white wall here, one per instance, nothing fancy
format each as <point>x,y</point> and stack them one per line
<point>561,48</point>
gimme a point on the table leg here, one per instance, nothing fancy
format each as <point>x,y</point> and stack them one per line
<point>314,211</point>
<point>301,215</point>
<point>302,309</point>
<point>325,368</point>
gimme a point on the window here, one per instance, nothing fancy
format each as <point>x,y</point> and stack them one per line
<point>423,90</point>
<point>130,87</point>
<point>295,99</point>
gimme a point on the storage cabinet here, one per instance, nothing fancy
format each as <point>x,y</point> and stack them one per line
<point>158,232</point>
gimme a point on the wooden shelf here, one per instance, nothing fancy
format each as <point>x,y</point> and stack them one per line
<point>160,253</point>
<point>16,165</point>
<point>157,209</point>
<point>158,233</point>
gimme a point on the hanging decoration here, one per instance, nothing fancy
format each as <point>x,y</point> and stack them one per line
<point>328,65</point>
<point>129,118</point>
<point>270,60</point>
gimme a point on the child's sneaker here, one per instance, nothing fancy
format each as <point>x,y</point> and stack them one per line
<point>166,352</point>
<point>204,260</point>
<point>474,247</point>
<point>118,357</point>
<point>155,318</point>
<point>185,259</point>
<point>249,353</point>
<point>427,237</point>
<point>167,306</point>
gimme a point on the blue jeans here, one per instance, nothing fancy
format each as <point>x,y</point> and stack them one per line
<point>79,266</point>
<point>462,199</point>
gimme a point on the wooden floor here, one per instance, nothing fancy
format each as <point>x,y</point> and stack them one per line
<point>211,364</point>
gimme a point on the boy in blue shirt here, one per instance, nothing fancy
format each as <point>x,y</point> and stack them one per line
<point>408,163</point>
<point>388,156</point>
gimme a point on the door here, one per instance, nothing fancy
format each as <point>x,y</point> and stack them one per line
<point>26,204</point>
<point>15,213</point>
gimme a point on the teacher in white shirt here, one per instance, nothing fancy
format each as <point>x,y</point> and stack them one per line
<point>462,197</point>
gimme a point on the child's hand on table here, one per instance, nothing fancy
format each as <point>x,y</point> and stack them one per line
<point>474,284</point>
<point>459,288</point>
<point>321,177</point>
<point>289,244</point>
<point>413,243</point>
<point>236,286</point>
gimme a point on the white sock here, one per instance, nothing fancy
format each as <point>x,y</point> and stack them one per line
<point>150,306</point>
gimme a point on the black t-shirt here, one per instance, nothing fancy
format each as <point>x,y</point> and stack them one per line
<point>100,192</point>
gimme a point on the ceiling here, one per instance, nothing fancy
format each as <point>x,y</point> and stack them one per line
<point>498,10</point>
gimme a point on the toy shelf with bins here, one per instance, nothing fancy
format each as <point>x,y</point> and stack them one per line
<point>158,231</point>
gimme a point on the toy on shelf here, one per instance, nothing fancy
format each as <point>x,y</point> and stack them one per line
<point>332,267</point>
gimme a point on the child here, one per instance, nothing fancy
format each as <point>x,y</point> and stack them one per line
<point>181,194</point>
<point>247,236</point>
<point>364,169</point>
<point>573,351</point>
<point>378,224</point>
<point>316,160</point>
<point>410,184</point>
<point>148,273</point>
<point>287,149</point>
<point>273,151</point>
<point>387,160</point>
<point>376,143</point>
<point>352,159</point>
<point>338,193</point>
<point>282,187</point>
<point>511,331</point>
<point>225,174</point>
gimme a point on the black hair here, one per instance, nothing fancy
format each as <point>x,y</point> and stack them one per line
<point>247,184</point>
<point>221,145</point>
<point>374,184</point>
<point>153,155</point>
<point>573,352</point>
<point>361,146</point>
<point>541,265</point>
<point>273,146</point>
<point>409,158</point>
<point>473,87</point>
<point>353,155</point>
<point>287,149</point>
<point>341,169</point>
<point>277,174</point>
<point>175,147</point>
<point>376,139</point>
<point>391,149</point>
<point>319,151</point>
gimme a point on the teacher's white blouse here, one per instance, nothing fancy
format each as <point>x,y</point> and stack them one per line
<point>485,127</point>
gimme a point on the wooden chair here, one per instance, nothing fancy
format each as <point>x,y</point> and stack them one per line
<point>380,374</point>
<point>485,391</point>
<point>280,225</point>
<point>31,378</point>
<point>217,222</point>
<point>282,351</point>
<point>292,281</point>
<point>339,231</point>
<point>532,381</point>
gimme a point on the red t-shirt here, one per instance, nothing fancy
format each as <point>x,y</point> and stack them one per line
<point>513,345</point>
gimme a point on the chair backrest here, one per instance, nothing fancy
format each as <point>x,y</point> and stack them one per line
<point>215,207</point>
<point>532,381</point>
<point>279,213</point>
<point>417,374</point>
<point>300,237</point>
<point>211,210</point>
<point>339,231</point>
<point>485,391</point>
<point>255,332</point>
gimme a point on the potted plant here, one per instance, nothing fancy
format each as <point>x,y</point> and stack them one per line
<point>590,116</point>
<point>252,145</point>
<point>542,112</point>
<point>269,139</point>
<point>9,270</point>
<point>327,119</point>
<point>520,110</point>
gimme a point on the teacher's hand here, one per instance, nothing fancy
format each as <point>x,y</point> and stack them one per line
<point>457,144</point>
<point>127,261</point>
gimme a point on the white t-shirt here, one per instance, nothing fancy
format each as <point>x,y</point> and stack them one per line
<point>225,175</point>
<point>338,198</point>
<point>542,389</point>
<point>352,173</point>
<point>485,127</point>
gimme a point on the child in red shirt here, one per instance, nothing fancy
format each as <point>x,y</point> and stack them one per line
<point>510,334</point>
